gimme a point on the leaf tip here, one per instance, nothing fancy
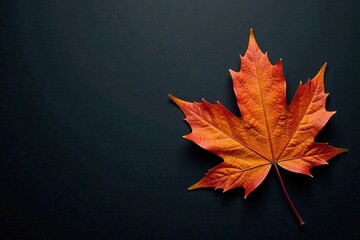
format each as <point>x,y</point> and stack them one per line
<point>252,36</point>
<point>192,187</point>
<point>232,72</point>
<point>322,69</point>
<point>172,97</point>
<point>343,150</point>
<point>246,195</point>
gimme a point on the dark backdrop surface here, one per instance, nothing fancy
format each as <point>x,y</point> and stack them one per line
<point>91,146</point>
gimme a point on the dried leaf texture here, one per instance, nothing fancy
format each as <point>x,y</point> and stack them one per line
<point>268,133</point>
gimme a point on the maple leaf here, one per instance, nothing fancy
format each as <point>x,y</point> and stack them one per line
<point>269,133</point>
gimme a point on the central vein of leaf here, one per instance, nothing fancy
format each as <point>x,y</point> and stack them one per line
<point>259,80</point>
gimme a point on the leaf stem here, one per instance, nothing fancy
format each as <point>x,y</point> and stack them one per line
<point>288,198</point>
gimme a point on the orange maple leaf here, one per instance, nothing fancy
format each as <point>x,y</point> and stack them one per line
<point>268,134</point>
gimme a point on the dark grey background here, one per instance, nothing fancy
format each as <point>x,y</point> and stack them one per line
<point>91,147</point>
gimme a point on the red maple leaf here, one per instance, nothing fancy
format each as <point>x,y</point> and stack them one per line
<point>269,133</point>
